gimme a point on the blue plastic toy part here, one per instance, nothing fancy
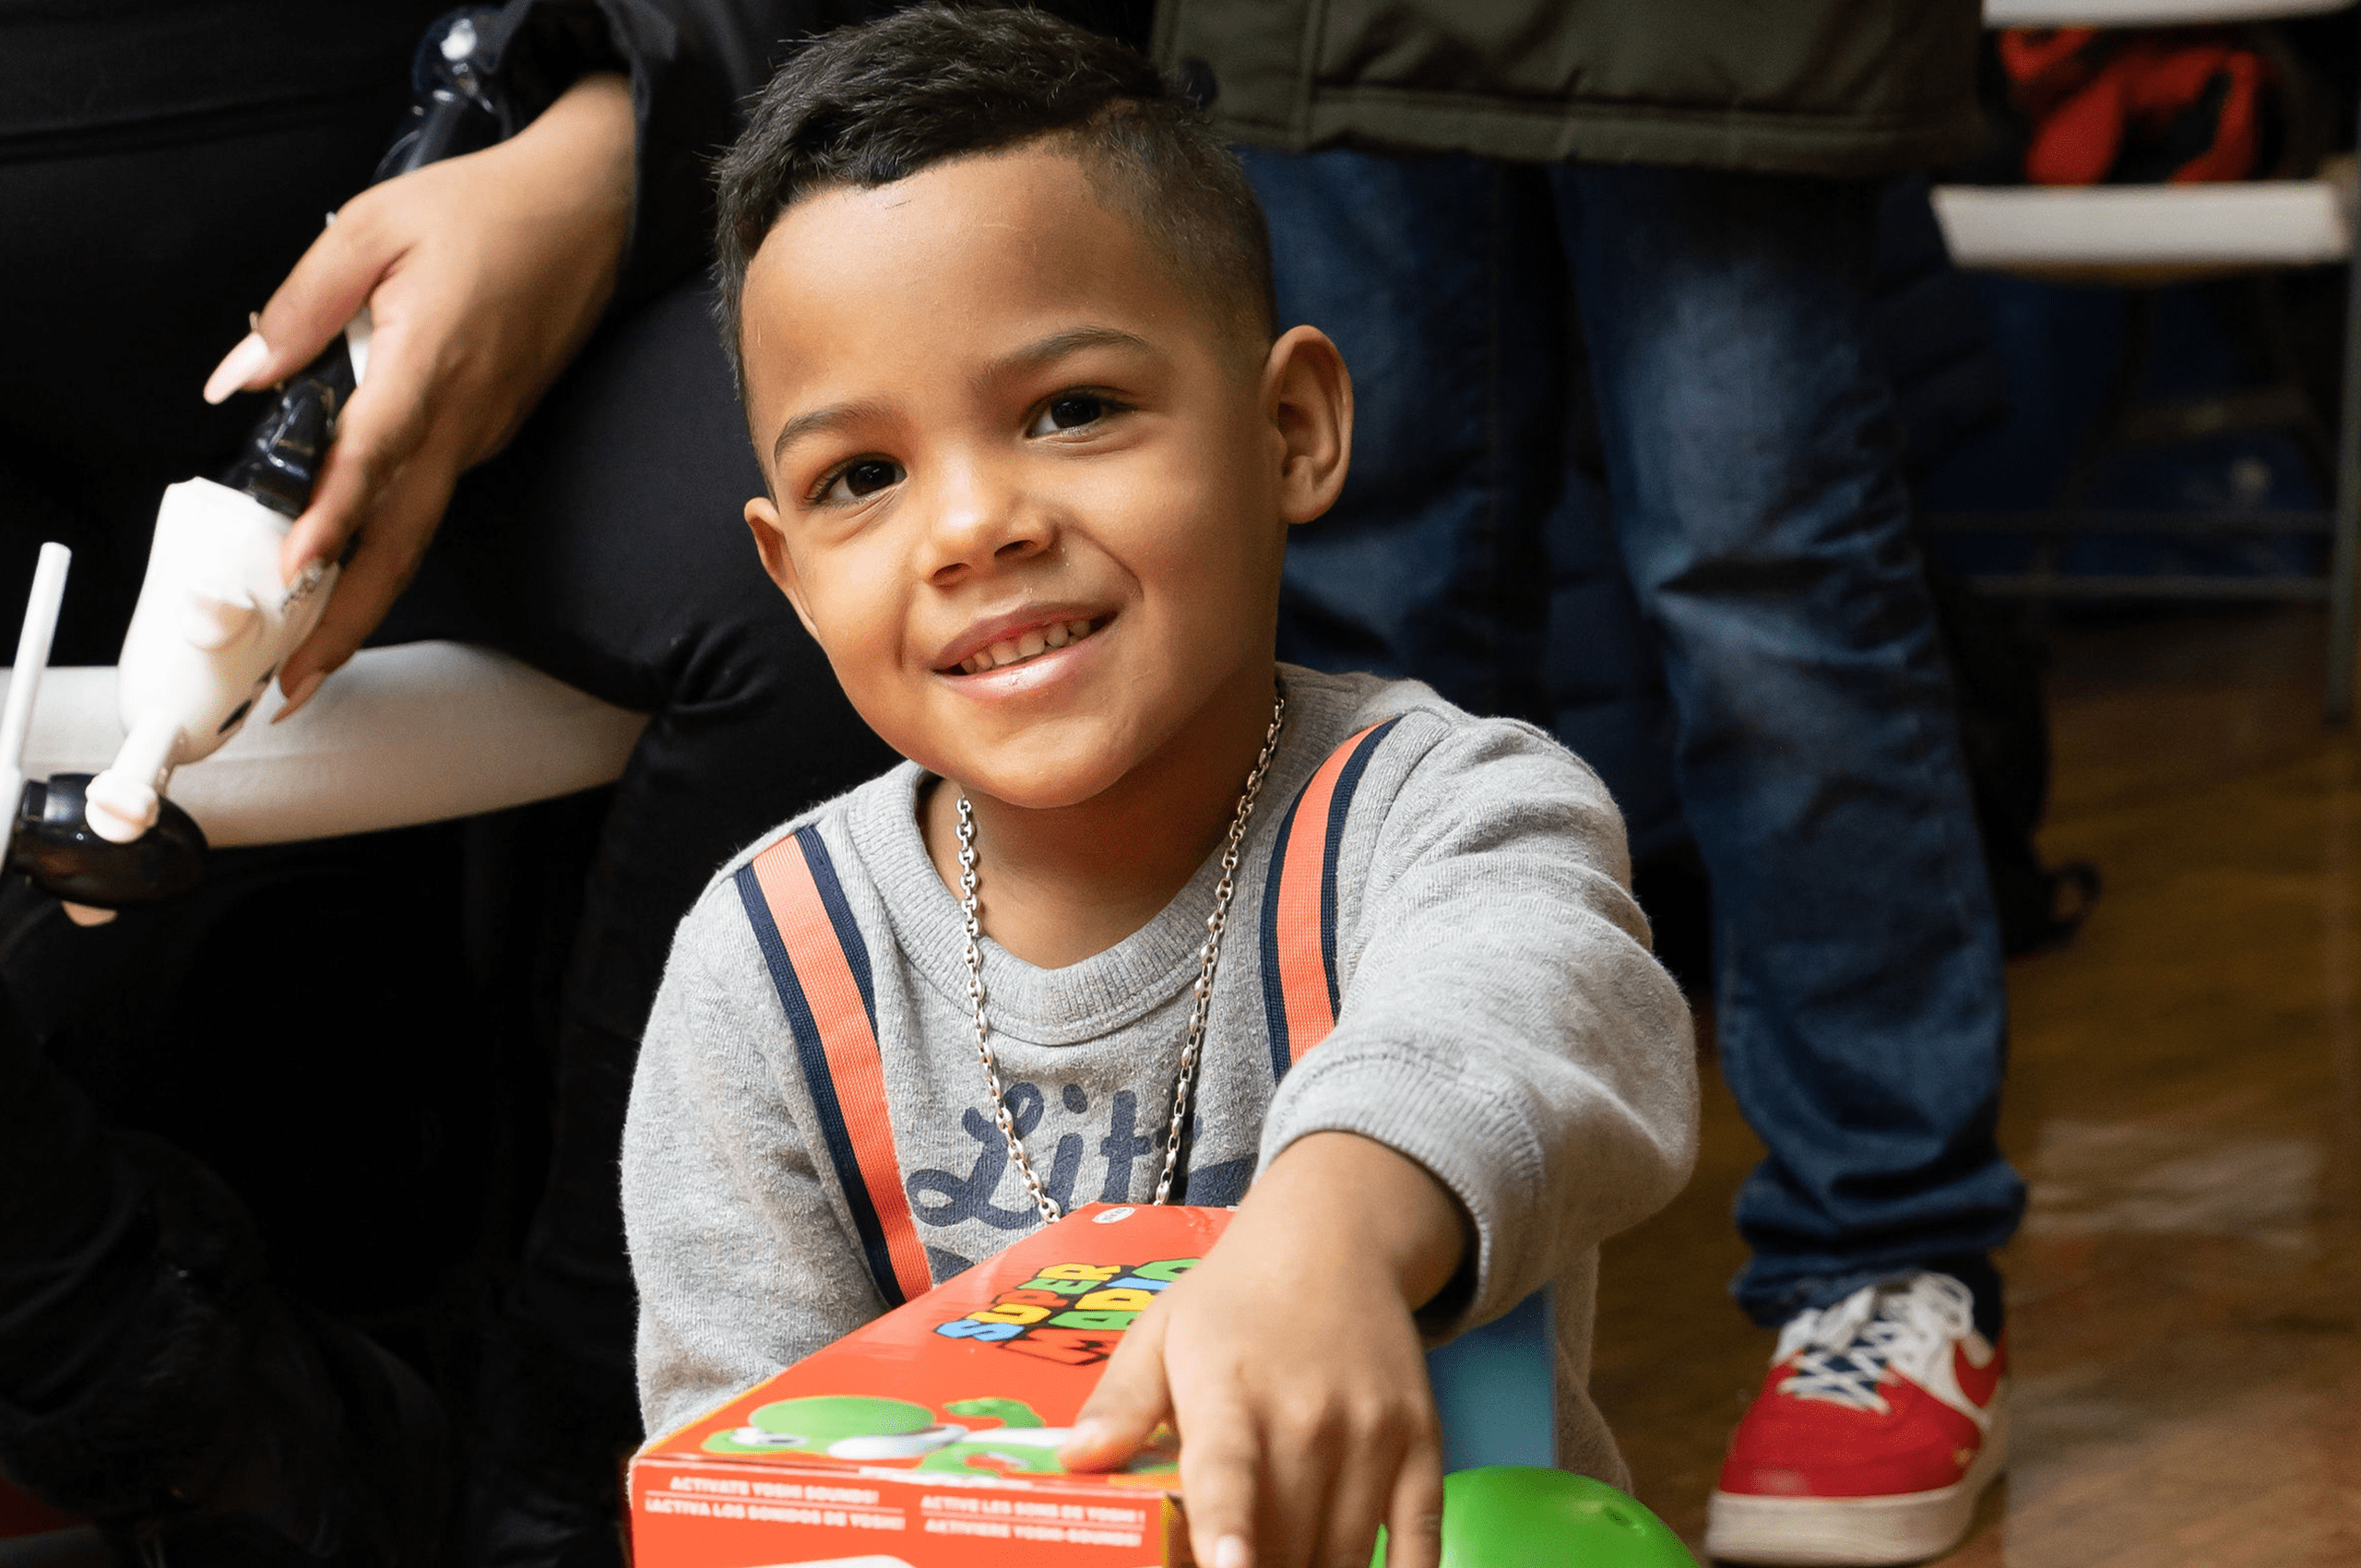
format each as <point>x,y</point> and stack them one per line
<point>1495,1389</point>
<point>1528,1516</point>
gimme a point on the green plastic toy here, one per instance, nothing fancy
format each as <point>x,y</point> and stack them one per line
<point>1526,1516</point>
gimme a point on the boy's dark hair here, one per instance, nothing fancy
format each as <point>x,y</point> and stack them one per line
<point>865,106</point>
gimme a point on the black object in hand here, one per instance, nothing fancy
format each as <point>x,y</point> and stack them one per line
<point>55,846</point>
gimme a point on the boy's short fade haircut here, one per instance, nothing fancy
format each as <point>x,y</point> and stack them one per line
<point>867,105</point>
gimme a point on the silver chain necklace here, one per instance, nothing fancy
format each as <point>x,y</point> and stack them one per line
<point>1208,958</point>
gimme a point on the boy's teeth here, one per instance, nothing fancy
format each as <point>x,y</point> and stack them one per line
<point>1024,645</point>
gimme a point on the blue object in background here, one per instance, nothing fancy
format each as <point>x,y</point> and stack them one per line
<point>1999,381</point>
<point>2059,345</point>
<point>1496,1390</point>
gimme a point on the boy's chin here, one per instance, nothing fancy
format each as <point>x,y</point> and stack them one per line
<point>1038,777</point>
<point>1051,763</point>
<point>1042,791</point>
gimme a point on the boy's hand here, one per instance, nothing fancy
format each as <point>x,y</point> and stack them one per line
<point>1289,1364</point>
<point>483,274</point>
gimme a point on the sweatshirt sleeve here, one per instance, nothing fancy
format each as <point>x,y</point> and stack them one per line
<point>744,1261</point>
<point>1502,1021</point>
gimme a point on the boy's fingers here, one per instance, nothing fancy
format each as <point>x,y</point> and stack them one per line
<point>1131,1399</point>
<point>1220,1462</point>
<point>1358,1498</point>
<point>1414,1523</point>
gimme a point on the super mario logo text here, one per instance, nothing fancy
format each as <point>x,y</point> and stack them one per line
<point>1070,1312</point>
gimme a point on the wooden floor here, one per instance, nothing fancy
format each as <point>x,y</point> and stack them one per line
<point>2184,1100</point>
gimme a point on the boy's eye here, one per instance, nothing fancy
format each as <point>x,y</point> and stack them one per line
<point>864,477</point>
<point>1067,411</point>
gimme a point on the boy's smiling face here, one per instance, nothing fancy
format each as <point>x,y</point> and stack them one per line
<point>1028,489</point>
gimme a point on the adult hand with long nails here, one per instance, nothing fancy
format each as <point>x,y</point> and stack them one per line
<point>483,275</point>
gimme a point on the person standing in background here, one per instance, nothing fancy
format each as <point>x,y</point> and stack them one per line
<point>1508,213</point>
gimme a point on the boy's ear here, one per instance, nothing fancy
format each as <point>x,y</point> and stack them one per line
<point>770,542</point>
<point>1308,397</point>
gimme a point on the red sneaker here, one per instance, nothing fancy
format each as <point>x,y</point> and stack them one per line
<point>1882,1419</point>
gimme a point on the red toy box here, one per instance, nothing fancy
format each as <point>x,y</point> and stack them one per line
<point>928,1438</point>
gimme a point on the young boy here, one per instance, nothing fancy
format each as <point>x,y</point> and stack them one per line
<point>1002,310</point>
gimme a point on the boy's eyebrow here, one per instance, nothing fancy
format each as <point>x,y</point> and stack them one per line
<point>833,416</point>
<point>1074,339</point>
<point>1041,352</point>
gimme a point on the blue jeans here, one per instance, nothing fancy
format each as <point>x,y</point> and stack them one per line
<point>1625,463</point>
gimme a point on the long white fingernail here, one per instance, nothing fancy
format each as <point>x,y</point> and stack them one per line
<point>1231,1552</point>
<point>237,367</point>
<point>300,695</point>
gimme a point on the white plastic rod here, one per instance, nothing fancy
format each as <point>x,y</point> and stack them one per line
<point>32,657</point>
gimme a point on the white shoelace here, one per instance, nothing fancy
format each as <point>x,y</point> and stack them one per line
<point>1844,1349</point>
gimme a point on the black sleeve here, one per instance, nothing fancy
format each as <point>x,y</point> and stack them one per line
<point>691,63</point>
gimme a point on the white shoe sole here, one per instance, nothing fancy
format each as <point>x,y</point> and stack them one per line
<point>1853,1532</point>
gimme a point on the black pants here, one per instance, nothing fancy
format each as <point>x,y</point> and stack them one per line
<point>605,547</point>
<point>74,1268</point>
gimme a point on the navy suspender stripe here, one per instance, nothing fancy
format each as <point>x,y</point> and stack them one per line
<point>1348,780</point>
<point>1275,1000</point>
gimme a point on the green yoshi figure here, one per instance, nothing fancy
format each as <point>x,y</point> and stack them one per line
<point>1498,1516</point>
<point>863,1429</point>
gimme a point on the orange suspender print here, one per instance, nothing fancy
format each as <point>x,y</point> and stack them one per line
<point>820,967</point>
<point>1299,994</point>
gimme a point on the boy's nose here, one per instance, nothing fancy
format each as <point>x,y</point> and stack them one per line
<point>983,524</point>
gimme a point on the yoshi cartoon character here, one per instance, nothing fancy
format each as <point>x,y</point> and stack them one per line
<point>865,1430</point>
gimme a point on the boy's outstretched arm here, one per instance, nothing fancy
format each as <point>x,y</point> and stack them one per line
<point>1291,1365</point>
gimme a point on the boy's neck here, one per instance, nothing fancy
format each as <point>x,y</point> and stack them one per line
<point>1057,886</point>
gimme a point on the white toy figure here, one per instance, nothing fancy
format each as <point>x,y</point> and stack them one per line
<point>213,624</point>
<point>214,620</point>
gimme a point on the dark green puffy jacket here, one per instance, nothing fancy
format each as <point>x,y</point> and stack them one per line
<point>1800,86</point>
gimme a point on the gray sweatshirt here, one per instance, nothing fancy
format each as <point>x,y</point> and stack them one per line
<point>1501,1023</point>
